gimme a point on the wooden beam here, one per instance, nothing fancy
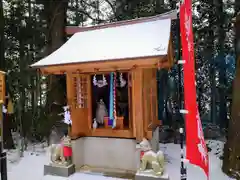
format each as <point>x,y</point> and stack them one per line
<point>108,66</point>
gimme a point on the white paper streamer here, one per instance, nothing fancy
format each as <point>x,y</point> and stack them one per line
<point>67,115</point>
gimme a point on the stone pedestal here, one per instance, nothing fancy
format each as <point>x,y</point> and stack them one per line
<point>147,175</point>
<point>58,170</point>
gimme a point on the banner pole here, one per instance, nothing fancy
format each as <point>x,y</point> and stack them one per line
<point>196,150</point>
<point>183,170</point>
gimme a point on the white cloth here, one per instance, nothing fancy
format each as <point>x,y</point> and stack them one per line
<point>67,118</point>
<point>4,110</point>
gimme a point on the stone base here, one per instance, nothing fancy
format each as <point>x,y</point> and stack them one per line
<point>58,170</point>
<point>101,152</point>
<point>114,173</point>
<point>147,175</point>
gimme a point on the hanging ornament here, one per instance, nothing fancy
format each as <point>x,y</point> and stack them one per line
<point>95,80</point>
<point>122,81</point>
<point>100,83</point>
<point>79,92</point>
<point>104,80</point>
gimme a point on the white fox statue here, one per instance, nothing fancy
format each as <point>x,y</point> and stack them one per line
<point>151,159</point>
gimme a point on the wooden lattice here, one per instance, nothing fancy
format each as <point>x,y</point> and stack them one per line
<point>80,98</point>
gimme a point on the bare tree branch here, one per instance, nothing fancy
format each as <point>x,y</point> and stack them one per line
<point>82,12</point>
<point>112,7</point>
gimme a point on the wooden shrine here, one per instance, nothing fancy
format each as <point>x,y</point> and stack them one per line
<point>127,53</point>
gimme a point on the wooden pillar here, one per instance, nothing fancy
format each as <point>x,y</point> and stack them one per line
<point>2,86</point>
<point>69,96</point>
<point>2,101</point>
<point>144,103</point>
<point>137,104</point>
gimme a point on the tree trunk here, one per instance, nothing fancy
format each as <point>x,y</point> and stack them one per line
<point>55,12</point>
<point>159,6</point>
<point>212,76</point>
<point>231,161</point>
<point>222,65</point>
<point>210,56</point>
<point>7,136</point>
<point>78,18</point>
<point>2,59</point>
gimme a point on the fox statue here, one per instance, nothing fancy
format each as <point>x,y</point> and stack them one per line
<point>101,112</point>
<point>151,159</point>
<point>56,151</point>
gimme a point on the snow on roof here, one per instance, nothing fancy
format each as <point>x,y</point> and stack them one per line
<point>141,39</point>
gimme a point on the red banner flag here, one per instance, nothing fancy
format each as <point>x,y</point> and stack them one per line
<point>196,149</point>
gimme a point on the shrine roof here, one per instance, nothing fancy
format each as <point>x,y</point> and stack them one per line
<point>138,38</point>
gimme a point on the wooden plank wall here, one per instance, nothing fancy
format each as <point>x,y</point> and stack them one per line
<point>79,115</point>
<point>147,106</point>
<point>150,98</point>
<point>144,88</point>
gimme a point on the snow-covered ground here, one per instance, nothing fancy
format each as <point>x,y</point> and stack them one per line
<point>172,152</point>
<point>31,165</point>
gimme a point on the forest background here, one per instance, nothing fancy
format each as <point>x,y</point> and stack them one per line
<point>32,29</point>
